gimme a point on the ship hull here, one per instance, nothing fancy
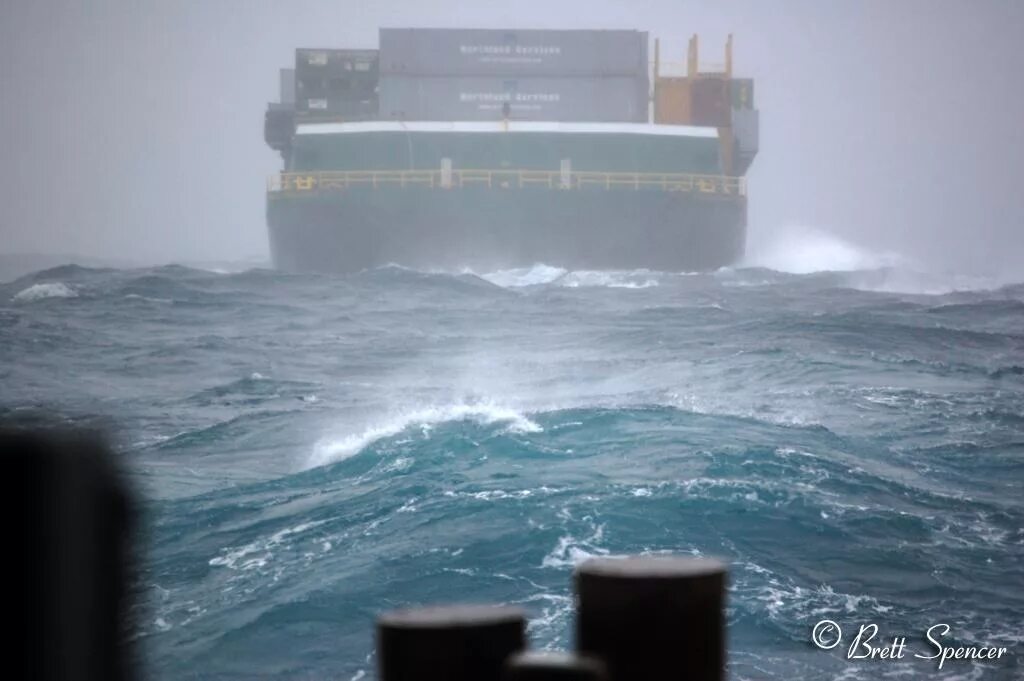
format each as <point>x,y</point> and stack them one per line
<point>488,228</point>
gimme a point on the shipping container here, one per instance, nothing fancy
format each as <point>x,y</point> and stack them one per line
<point>287,86</point>
<point>340,108</point>
<point>709,102</point>
<point>672,101</point>
<point>336,83</point>
<point>533,99</point>
<point>279,127</point>
<point>742,93</point>
<point>337,88</point>
<point>481,52</point>
<point>312,62</point>
<point>745,127</point>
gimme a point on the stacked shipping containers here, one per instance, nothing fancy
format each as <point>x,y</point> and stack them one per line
<point>745,123</point>
<point>287,87</point>
<point>279,119</point>
<point>476,74</point>
<point>336,83</point>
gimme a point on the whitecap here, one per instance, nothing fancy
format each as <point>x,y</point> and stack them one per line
<point>54,289</point>
<point>570,551</point>
<point>611,279</point>
<point>257,554</point>
<point>524,276</point>
<point>136,296</point>
<point>333,449</point>
<point>804,250</point>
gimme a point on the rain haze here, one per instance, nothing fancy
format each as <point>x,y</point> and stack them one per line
<point>133,131</point>
<point>471,316</point>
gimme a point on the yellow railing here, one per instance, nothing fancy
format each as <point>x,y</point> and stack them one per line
<point>339,180</point>
<point>680,69</point>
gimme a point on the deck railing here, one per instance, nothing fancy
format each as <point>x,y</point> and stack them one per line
<point>340,180</point>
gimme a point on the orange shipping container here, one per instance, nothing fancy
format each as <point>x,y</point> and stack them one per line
<point>672,101</point>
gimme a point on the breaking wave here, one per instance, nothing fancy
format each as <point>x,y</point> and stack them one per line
<point>542,274</point>
<point>525,276</point>
<point>43,291</point>
<point>317,448</point>
<point>808,251</point>
<point>803,250</point>
<point>338,448</point>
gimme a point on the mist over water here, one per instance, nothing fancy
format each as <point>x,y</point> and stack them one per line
<point>803,250</point>
<point>798,249</point>
<point>893,125</point>
<point>840,416</point>
<point>318,448</point>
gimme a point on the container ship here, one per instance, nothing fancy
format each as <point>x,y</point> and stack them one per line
<point>453,149</point>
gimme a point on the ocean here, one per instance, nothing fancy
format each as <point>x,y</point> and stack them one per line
<point>313,450</point>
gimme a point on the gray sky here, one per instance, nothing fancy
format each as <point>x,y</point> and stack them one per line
<point>133,129</point>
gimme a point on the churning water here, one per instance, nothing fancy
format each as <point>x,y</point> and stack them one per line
<point>317,449</point>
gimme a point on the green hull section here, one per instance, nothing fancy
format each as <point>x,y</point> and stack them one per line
<point>587,152</point>
<point>490,196</point>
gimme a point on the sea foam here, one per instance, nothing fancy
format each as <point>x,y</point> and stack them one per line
<point>334,449</point>
<point>54,289</point>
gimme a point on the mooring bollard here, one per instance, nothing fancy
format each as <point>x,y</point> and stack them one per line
<point>554,666</point>
<point>448,643</point>
<point>653,618</point>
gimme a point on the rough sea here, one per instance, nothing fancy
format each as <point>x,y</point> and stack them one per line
<point>313,450</point>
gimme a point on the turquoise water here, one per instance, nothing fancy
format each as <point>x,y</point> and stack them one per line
<point>313,450</point>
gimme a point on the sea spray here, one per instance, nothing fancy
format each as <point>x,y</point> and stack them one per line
<point>853,451</point>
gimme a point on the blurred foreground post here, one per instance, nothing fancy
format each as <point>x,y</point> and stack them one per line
<point>653,618</point>
<point>70,524</point>
<point>551,666</point>
<point>451,643</point>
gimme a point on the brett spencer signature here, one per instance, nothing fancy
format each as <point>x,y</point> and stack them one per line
<point>827,635</point>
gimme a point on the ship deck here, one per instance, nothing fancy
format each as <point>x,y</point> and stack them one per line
<point>512,126</point>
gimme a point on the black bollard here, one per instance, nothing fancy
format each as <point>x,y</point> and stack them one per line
<point>653,618</point>
<point>554,666</point>
<point>448,643</point>
<point>69,545</point>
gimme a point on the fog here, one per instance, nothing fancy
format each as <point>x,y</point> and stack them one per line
<point>133,131</point>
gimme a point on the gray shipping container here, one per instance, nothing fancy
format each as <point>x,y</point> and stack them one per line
<point>338,107</point>
<point>742,93</point>
<point>287,86</point>
<point>531,99</point>
<point>745,127</point>
<point>317,61</point>
<point>484,52</point>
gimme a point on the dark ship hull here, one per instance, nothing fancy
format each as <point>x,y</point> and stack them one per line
<point>487,228</point>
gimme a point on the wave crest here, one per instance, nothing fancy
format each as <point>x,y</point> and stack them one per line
<point>53,289</point>
<point>542,274</point>
<point>525,276</point>
<point>332,450</point>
